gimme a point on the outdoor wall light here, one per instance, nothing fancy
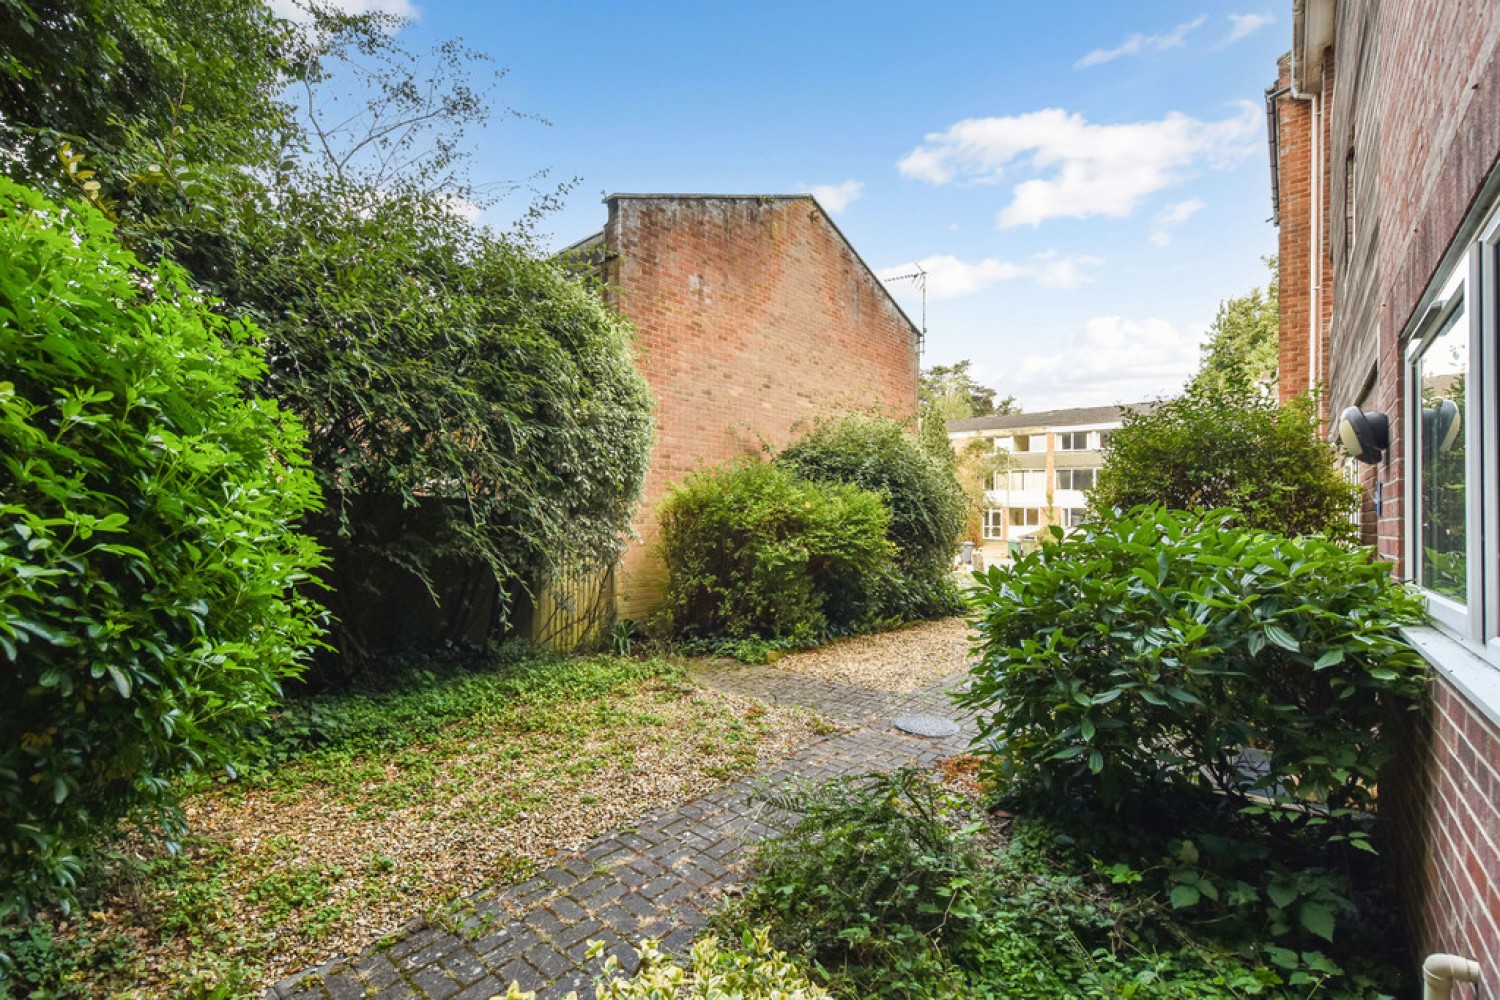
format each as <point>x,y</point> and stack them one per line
<point>1364,434</point>
<point>1440,426</point>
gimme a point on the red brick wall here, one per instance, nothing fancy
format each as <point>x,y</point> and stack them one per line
<point>1418,87</point>
<point>1448,837</point>
<point>753,315</point>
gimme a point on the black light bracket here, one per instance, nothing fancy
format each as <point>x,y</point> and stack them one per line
<point>1365,434</point>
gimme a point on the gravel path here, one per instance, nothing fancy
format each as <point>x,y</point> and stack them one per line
<point>899,661</point>
<point>664,875</point>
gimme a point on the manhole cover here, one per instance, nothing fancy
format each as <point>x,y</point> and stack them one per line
<point>934,726</point>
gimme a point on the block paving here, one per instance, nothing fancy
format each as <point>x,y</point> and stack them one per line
<point>659,879</point>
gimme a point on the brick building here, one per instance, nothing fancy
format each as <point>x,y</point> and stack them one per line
<point>1385,125</point>
<point>753,315</point>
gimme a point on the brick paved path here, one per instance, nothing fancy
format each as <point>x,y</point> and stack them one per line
<point>660,879</point>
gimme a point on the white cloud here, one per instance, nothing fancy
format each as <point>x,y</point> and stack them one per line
<point>1246,25</point>
<point>951,278</point>
<point>1088,169</point>
<point>1138,43</point>
<point>1171,217</point>
<point>1111,360</point>
<point>837,197</point>
<point>296,10</point>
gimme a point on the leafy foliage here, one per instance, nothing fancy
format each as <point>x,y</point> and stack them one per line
<point>750,970</point>
<point>950,392</point>
<point>894,886</point>
<point>436,364</point>
<point>98,74</point>
<point>149,556</point>
<point>1242,345</point>
<point>1137,660</point>
<point>873,880</point>
<point>1230,445</point>
<point>925,501</point>
<point>753,551</point>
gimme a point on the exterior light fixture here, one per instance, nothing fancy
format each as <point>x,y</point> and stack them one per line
<point>1440,426</point>
<point>1364,434</point>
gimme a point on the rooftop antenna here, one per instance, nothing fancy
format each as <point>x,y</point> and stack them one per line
<point>919,277</point>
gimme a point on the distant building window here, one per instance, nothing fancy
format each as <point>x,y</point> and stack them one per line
<point>1072,517</point>
<point>1073,441</point>
<point>1104,437</point>
<point>1025,517</point>
<point>1021,442</point>
<point>994,524</point>
<point>1075,479</point>
<point>1028,481</point>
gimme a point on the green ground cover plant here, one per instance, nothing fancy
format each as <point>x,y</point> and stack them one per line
<point>329,843</point>
<point>152,571</point>
<point>895,885</point>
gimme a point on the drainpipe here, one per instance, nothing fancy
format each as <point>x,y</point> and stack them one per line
<point>1440,972</point>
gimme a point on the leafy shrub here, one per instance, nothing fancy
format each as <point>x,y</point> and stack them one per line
<point>438,365</point>
<point>1150,648</point>
<point>923,495</point>
<point>753,551</point>
<point>148,543</point>
<point>752,971</point>
<point>878,873</point>
<point>1225,443</point>
<point>894,886</point>
<point>1126,669</point>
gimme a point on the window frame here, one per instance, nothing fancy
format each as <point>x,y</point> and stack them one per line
<point>1471,282</point>
<point>999,527</point>
<point>1072,472</point>
<point>1069,436</point>
<point>1024,511</point>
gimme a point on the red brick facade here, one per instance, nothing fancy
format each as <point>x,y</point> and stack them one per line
<point>1410,134</point>
<point>753,315</point>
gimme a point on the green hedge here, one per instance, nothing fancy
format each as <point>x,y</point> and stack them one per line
<point>751,550</point>
<point>149,556</point>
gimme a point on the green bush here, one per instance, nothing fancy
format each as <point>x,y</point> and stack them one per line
<point>923,495</point>
<point>752,551</point>
<point>1125,669</point>
<point>879,874</point>
<point>894,886</point>
<point>1149,648</point>
<point>1225,443</point>
<point>148,546</point>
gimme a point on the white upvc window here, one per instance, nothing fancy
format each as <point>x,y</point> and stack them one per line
<point>1452,465</point>
<point>1076,479</point>
<point>1025,517</point>
<point>1072,517</point>
<point>1073,441</point>
<point>1028,480</point>
<point>994,524</point>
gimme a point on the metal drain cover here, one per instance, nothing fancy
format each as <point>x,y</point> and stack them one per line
<point>932,726</point>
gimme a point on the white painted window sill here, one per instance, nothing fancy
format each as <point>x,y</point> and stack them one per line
<point>1475,678</point>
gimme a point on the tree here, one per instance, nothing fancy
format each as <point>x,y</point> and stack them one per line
<point>100,75</point>
<point>1242,343</point>
<point>1230,445</point>
<point>951,392</point>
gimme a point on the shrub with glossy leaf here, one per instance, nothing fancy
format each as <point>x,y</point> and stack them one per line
<point>1149,648</point>
<point>149,556</point>
<point>751,550</point>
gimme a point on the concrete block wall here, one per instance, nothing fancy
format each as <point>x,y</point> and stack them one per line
<point>754,316</point>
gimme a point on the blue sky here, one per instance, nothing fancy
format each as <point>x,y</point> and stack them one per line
<point>1083,182</point>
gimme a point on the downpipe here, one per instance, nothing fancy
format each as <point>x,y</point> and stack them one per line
<point>1440,972</point>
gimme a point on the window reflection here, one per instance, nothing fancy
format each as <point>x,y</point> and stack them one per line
<point>1441,371</point>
